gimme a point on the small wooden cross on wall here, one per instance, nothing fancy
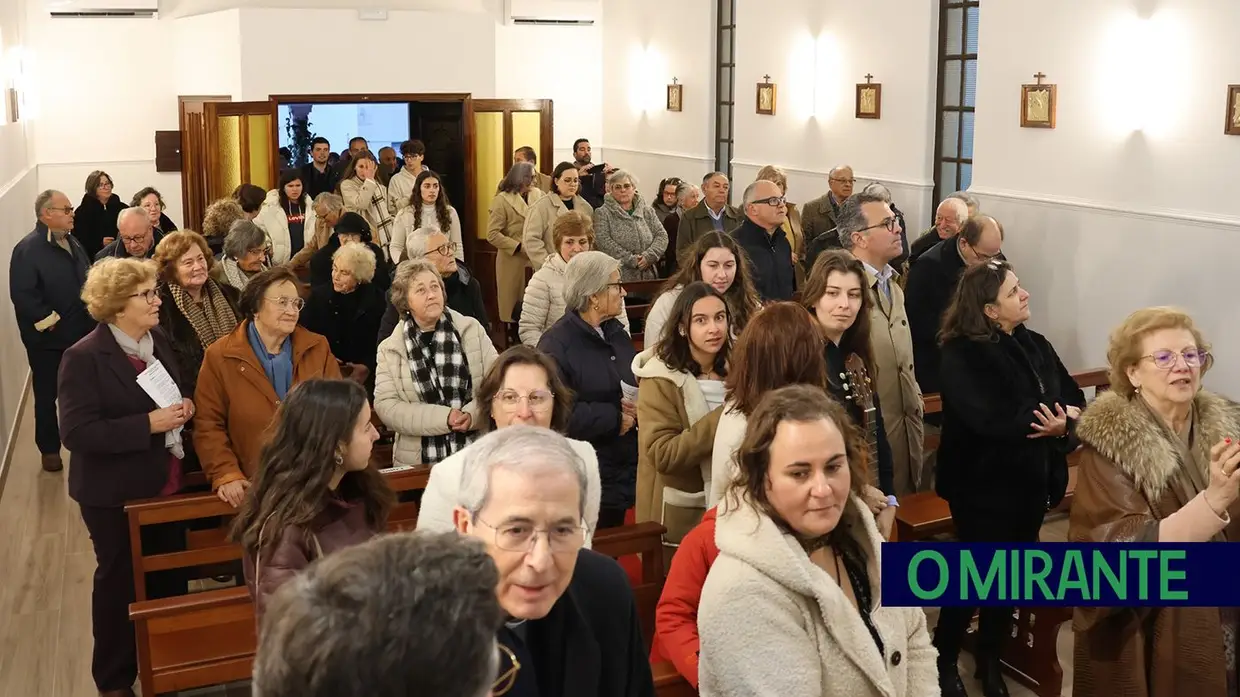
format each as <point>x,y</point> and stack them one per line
<point>673,80</point>
<point>869,79</point>
<point>1039,76</point>
<point>767,78</point>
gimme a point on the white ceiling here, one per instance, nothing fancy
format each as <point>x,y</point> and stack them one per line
<point>186,8</point>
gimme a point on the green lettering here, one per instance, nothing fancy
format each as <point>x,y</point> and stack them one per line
<point>1015,592</point>
<point>1037,576</point>
<point>1119,584</point>
<point>1072,576</point>
<point>1143,557</point>
<point>921,593</point>
<point>1166,575</point>
<point>969,576</point>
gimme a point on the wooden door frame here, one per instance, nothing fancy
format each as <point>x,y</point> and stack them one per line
<point>467,131</point>
<point>546,109</point>
<point>245,110</point>
<point>195,221</point>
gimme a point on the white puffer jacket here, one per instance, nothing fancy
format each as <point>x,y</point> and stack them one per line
<point>273,219</point>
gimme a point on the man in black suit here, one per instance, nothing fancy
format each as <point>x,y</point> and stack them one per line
<point>572,624</point>
<point>46,274</point>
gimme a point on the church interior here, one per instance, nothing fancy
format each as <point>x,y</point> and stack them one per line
<point>1076,126</point>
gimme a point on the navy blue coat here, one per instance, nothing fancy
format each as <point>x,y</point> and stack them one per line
<point>594,367</point>
<point>45,278</point>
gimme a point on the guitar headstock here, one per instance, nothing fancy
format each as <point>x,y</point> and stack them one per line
<point>860,389</point>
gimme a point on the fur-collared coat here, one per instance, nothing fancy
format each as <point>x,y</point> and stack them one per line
<point>1132,477</point>
<point>628,237</point>
<point>774,624</point>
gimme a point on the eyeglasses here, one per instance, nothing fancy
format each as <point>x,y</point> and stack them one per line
<point>67,210</point>
<point>889,223</point>
<point>294,304</point>
<point>1166,360</point>
<point>774,201</point>
<point>521,537</point>
<point>842,180</point>
<point>445,249</point>
<point>510,400</point>
<point>133,240</point>
<point>148,295</point>
<point>983,258</point>
<point>507,679</point>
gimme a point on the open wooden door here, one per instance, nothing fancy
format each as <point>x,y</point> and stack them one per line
<point>499,127</point>
<point>240,146</point>
<point>194,158</point>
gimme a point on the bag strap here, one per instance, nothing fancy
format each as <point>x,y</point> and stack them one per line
<point>258,557</point>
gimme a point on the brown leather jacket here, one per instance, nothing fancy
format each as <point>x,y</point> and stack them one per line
<point>1131,477</point>
<point>341,524</point>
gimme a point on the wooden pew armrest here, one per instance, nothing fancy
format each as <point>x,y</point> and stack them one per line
<point>165,607</point>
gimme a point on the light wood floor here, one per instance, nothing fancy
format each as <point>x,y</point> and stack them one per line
<point>46,565</point>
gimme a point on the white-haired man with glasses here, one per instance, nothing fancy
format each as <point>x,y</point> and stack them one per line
<point>461,286</point>
<point>572,627</point>
<point>764,241</point>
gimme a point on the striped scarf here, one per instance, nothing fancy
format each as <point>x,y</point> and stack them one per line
<point>212,318</point>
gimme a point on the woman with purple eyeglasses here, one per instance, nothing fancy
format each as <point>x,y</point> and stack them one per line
<point>1159,464</point>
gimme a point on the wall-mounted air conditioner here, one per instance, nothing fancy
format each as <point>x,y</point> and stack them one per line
<point>568,13</point>
<point>102,8</point>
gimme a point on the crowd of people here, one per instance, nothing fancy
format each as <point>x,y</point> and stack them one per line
<point>770,420</point>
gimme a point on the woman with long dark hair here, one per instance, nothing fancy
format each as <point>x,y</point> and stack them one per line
<point>286,215</point>
<point>363,194</point>
<point>315,491</point>
<point>679,401</point>
<point>717,260</point>
<point>1009,416</point>
<point>428,209</point>
<point>835,295</point>
<point>539,231</point>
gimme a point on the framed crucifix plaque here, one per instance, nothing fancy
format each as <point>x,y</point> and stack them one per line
<point>766,97</point>
<point>1037,104</point>
<point>869,99</point>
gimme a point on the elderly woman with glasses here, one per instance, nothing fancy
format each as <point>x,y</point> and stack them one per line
<point>1160,463</point>
<point>595,357</point>
<point>627,229</point>
<point>348,311</point>
<point>522,387</point>
<point>124,445</point>
<point>196,310</point>
<point>247,374</point>
<point>428,369</point>
<point>245,255</point>
<point>150,200</point>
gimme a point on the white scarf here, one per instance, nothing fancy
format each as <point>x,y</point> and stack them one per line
<point>144,350</point>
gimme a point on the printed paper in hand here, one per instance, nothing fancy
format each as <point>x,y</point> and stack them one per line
<point>628,391</point>
<point>161,388</point>
<point>159,385</point>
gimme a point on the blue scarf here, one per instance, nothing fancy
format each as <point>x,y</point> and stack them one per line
<point>279,366</point>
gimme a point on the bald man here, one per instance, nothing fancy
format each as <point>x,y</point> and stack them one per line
<point>762,236</point>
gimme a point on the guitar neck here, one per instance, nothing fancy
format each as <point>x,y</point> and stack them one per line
<point>871,441</point>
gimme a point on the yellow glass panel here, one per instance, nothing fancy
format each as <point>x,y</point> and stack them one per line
<point>259,130</point>
<point>229,153</point>
<point>527,130</point>
<point>489,160</point>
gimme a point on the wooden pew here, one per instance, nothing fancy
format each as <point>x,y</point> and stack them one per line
<point>669,683</point>
<point>209,638</point>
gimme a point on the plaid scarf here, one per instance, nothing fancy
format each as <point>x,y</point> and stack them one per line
<point>441,373</point>
<point>213,318</point>
<point>382,221</point>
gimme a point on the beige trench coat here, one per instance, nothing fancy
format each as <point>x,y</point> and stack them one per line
<point>505,231</point>
<point>892,343</point>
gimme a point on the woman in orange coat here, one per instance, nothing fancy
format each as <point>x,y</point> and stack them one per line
<point>675,617</point>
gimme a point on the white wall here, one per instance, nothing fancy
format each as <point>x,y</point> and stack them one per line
<point>18,188</point>
<point>1102,219</point>
<point>530,63</point>
<point>408,52</point>
<point>640,58</point>
<point>816,51</point>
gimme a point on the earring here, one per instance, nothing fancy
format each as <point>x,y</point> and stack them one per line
<point>339,459</point>
<point>1136,389</point>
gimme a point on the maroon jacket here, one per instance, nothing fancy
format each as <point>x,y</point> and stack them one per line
<point>342,524</point>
